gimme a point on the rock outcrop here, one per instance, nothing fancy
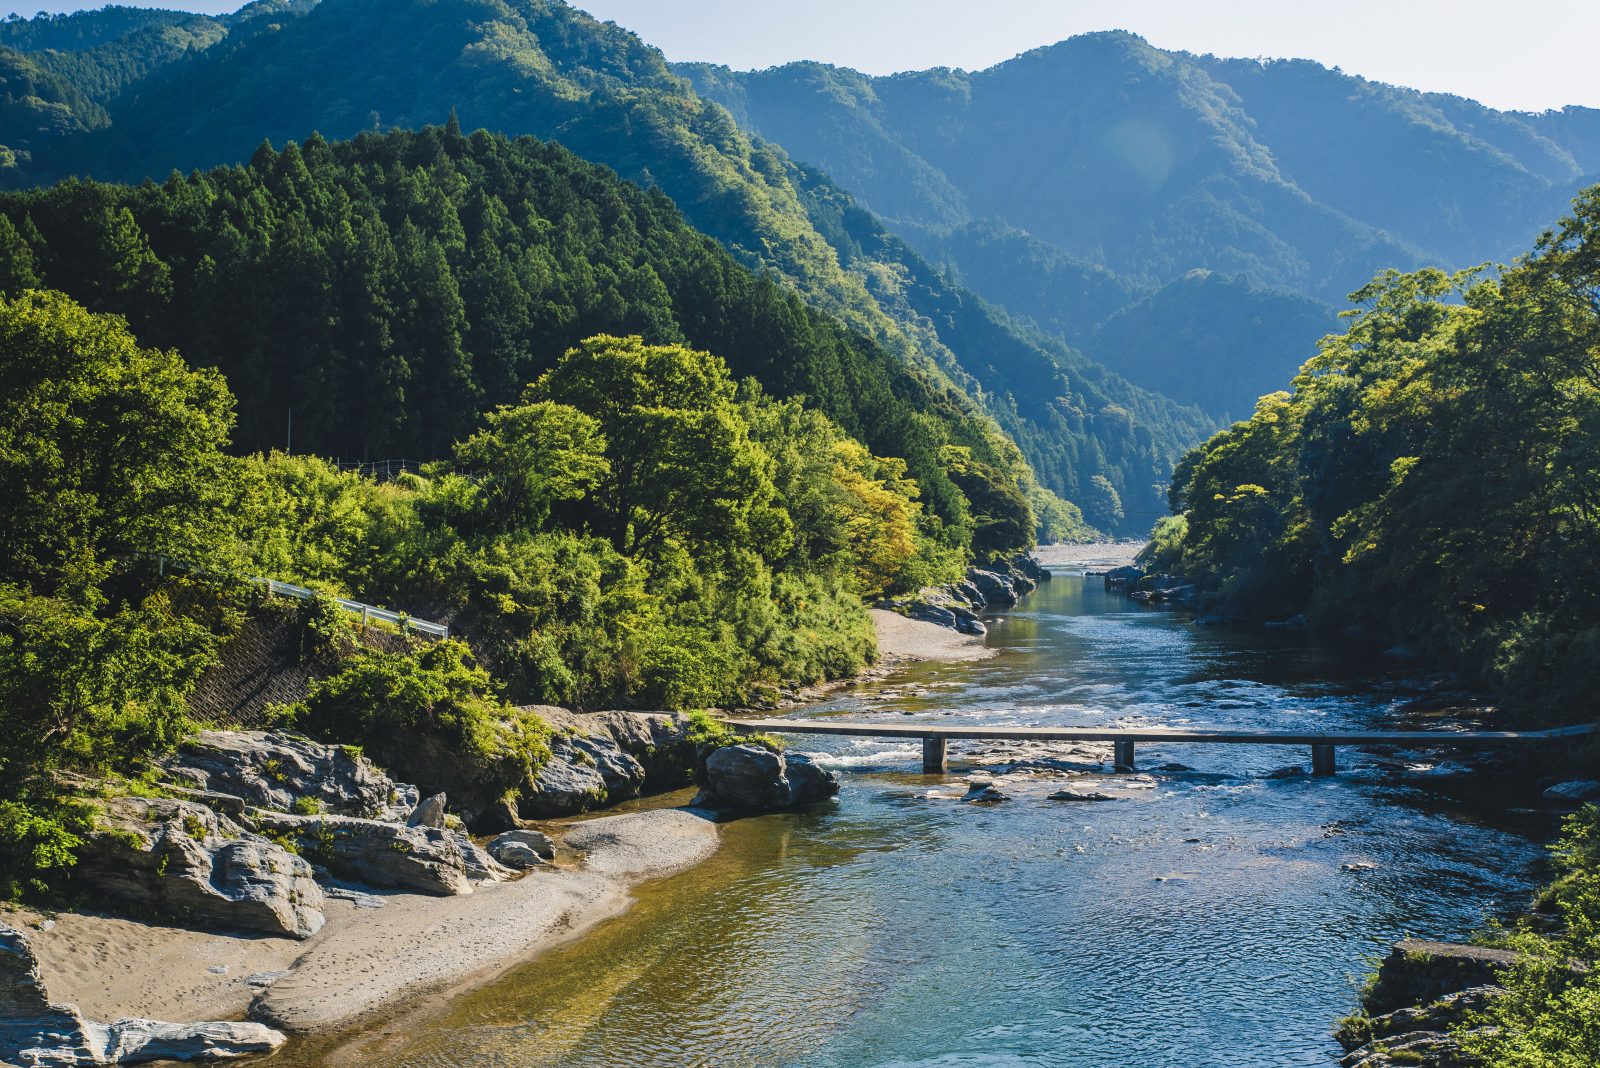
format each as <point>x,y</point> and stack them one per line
<point>426,859</point>
<point>278,769</point>
<point>178,857</point>
<point>33,1031</point>
<point>959,605</point>
<point>753,778</point>
<point>1424,1034</point>
<point>1425,992</point>
<point>1418,972</point>
<point>600,758</point>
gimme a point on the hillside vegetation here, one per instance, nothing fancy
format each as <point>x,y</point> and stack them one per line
<point>387,290</point>
<point>636,529</point>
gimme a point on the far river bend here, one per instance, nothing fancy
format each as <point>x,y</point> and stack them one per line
<point>1216,917</point>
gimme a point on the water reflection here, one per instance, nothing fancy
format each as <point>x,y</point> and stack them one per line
<point>1215,918</point>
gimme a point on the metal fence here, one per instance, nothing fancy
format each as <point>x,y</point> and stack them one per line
<point>369,613</point>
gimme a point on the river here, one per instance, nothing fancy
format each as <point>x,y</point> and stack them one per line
<point>1208,917</point>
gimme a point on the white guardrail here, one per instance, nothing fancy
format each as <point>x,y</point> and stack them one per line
<point>369,613</point>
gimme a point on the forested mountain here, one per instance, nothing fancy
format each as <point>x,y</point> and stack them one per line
<point>387,290</point>
<point>1102,153</point>
<point>521,66</point>
<point>1204,339</point>
<point>1210,340</point>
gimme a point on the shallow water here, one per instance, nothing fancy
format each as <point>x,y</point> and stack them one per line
<point>1204,919</point>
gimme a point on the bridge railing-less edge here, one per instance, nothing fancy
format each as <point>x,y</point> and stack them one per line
<point>936,739</point>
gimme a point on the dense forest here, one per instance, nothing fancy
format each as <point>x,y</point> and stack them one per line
<point>342,67</point>
<point>381,293</point>
<point>1430,480</point>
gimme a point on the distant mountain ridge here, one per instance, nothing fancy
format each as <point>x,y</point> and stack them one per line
<point>1078,181</point>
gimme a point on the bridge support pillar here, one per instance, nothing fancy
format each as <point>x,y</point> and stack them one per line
<point>934,754</point>
<point>1122,756</point>
<point>1322,760</point>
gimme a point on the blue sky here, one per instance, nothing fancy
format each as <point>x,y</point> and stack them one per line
<point>1529,55</point>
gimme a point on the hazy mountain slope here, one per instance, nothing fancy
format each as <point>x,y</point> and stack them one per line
<point>1033,279</point>
<point>1212,341</point>
<point>1115,151</point>
<point>1462,181</point>
<point>525,66</point>
<point>1076,179</point>
<point>1073,418</point>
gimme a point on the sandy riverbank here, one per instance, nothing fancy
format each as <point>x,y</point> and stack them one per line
<point>365,962</point>
<point>902,639</point>
<point>368,963</point>
<point>1089,556</point>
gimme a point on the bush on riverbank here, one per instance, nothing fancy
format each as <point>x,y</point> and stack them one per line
<point>1549,1016</point>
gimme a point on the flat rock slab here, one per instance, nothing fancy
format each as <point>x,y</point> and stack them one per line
<point>417,945</point>
<point>643,844</point>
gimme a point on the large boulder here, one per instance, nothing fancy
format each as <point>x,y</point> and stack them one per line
<point>522,848</point>
<point>179,857</point>
<point>1418,972</point>
<point>377,853</point>
<point>33,1031</point>
<point>753,778</point>
<point>600,758</point>
<point>1123,577</point>
<point>1024,564</point>
<point>1573,793</point>
<point>276,769</point>
<point>997,589</point>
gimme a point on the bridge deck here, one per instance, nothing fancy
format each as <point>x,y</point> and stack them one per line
<point>1159,734</point>
<point>935,737</point>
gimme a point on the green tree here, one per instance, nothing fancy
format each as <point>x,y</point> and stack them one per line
<point>531,457</point>
<point>1003,520</point>
<point>682,465</point>
<point>106,448</point>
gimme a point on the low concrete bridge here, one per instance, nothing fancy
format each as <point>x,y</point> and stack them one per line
<point>936,737</point>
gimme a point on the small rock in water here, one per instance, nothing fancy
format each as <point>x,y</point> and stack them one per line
<point>1080,795</point>
<point>1359,865</point>
<point>1573,793</point>
<point>984,793</point>
<point>1174,768</point>
<point>1294,771</point>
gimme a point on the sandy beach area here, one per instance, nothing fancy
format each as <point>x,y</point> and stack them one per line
<point>366,962</point>
<point>1089,556</point>
<point>902,639</point>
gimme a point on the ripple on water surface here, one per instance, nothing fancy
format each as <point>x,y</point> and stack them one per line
<point>1207,919</point>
